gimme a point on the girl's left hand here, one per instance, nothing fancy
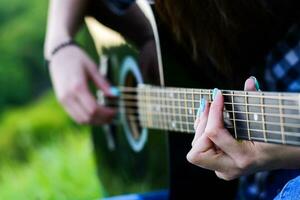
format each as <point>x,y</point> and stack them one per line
<point>214,147</point>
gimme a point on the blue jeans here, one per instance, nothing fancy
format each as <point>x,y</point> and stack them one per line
<point>291,190</point>
<point>265,185</point>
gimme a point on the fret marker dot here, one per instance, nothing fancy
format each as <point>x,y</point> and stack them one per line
<point>157,108</point>
<point>255,117</point>
<point>173,124</point>
<point>228,115</point>
<point>171,95</point>
<point>190,111</point>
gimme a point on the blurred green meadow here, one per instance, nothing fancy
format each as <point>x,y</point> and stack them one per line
<point>43,153</point>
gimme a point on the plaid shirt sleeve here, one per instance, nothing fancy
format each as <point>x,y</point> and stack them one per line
<point>282,73</point>
<point>283,63</point>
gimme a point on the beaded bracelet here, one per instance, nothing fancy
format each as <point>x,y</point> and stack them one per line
<point>59,47</point>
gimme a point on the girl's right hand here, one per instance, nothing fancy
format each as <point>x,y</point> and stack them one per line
<point>70,70</point>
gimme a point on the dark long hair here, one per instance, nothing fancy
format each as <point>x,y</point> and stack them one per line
<point>211,27</point>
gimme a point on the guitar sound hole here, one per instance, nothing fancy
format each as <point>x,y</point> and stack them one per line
<point>131,107</point>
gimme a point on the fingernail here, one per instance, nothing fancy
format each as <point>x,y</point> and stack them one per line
<point>114,91</point>
<point>255,82</point>
<point>215,91</point>
<point>201,107</point>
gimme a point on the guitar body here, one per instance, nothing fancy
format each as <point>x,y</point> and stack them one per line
<point>132,159</point>
<point>129,159</point>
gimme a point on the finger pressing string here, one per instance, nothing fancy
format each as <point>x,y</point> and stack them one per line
<point>201,120</point>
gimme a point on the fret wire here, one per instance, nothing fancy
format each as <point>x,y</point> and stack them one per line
<point>286,107</point>
<point>247,117</point>
<point>193,106</point>
<point>141,104</point>
<point>274,115</point>
<point>262,105</point>
<point>263,118</point>
<point>252,94</point>
<point>154,107</point>
<point>233,116</point>
<point>160,103</point>
<point>163,120</point>
<point>240,112</point>
<point>273,132</point>
<point>173,113</point>
<point>140,113</point>
<point>242,120</point>
<point>201,96</point>
<point>168,120</point>
<point>257,105</point>
<point>271,140</point>
<point>281,122</point>
<point>252,121</point>
<point>258,139</point>
<point>179,109</point>
<point>166,108</point>
<point>186,112</point>
<point>255,138</point>
<point>208,92</point>
<point>256,122</point>
<point>239,136</point>
<point>162,109</point>
<point>252,105</point>
<point>159,99</point>
<point>148,104</point>
<point>258,130</point>
<point>291,116</point>
<point>295,125</point>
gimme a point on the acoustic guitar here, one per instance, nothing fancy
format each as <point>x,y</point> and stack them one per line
<point>132,152</point>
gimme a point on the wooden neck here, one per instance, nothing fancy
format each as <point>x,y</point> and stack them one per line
<point>260,116</point>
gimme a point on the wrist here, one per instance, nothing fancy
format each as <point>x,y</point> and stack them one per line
<point>59,47</point>
<point>52,41</point>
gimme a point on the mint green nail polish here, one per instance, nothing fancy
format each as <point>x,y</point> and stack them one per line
<point>114,91</point>
<point>215,91</point>
<point>256,83</point>
<point>201,107</point>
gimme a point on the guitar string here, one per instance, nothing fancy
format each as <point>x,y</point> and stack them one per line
<point>209,92</point>
<point>286,125</point>
<point>130,104</point>
<point>275,115</point>
<point>230,111</point>
<point>269,132</point>
<point>128,97</point>
<point>132,97</point>
<point>280,141</point>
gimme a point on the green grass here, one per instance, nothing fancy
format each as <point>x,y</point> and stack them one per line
<point>25,128</point>
<point>44,155</point>
<point>62,170</point>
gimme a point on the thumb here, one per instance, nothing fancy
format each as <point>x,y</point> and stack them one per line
<point>98,79</point>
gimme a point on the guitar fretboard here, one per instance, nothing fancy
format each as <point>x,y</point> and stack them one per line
<point>260,116</point>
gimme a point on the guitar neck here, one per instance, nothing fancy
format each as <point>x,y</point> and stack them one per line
<point>260,116</point>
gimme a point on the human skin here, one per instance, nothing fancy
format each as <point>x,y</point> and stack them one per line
<point>214,147</point>
<point>71,69</point>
